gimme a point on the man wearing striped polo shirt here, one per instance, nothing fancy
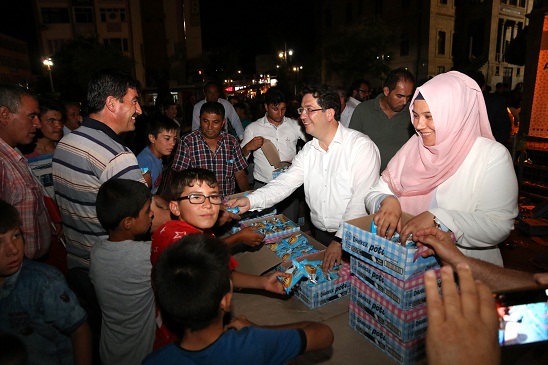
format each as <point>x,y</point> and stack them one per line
<point>86,158</point>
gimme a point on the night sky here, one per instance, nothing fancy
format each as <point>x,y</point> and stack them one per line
<point>251,27</point>
<point>259,27</point>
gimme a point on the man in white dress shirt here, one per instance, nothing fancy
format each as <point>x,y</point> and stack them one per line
<point>284,133</point>
<point>359,91</point>
<point>337,168</point>
<point>212,92</point>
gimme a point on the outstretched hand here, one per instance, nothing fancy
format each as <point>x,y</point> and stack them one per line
<point>439,243</point>
<point>462,326</point>
<point>242,203</point>
<point>272,284</point>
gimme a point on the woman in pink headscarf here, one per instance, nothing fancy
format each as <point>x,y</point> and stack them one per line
<point>451,174</point>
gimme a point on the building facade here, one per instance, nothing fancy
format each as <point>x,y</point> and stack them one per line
<point>15,65</point>
<point>162,37</point>
<point>430,35</point>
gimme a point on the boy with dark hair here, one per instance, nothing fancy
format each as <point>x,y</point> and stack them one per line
<point>120,272</point>
<point>195,201</point>
<point>36,304</point>
<point>163,133</point>
<point>194,291</point>
<point>210,147</point>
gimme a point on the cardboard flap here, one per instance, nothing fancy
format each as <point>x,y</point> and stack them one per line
<point>271,153</point>
<point>257,262</point>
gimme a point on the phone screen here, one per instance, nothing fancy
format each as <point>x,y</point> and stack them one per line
<point>523,317</point>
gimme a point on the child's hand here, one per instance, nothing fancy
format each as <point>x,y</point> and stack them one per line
<point>226,216</point>
<point>272,284</point>
<point>250,237</point>
<point>238,323</point>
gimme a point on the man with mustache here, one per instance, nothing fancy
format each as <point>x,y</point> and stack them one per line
<point>82,162</point>
<point>19,118</point>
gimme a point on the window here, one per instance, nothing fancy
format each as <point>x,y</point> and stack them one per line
<point>349,12</point>
<point>328,18</point>
<point>55,15</point>
<point>119,44</point>
<point>441,42</point>
<point>404,45</point>
<point>497,71</point>
<point>378,7</point>
<point>55,45</point>
<point>111,15</point>
<point>441,69</point>
<point>83,15</point>
<point>443,2</point>
<point>518,71</point>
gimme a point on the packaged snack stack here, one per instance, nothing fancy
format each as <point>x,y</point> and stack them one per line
<point>387,300</point>
<point>302,252</point>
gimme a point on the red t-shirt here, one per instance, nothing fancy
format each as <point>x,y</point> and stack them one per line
<point>171,232</point>
<point>161,239</point>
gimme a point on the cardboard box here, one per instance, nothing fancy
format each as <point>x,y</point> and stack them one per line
<point>263,259</point>
<point>274,236</point>
<point>406,353</point>
<point>314,296</point>
<point>236,225</point>
<point>391,257</point>
<point>403,294</point>
<point>406,325</point>
<point>271,153</point>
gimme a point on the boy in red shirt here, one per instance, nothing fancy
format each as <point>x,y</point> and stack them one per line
<point>196,202</point>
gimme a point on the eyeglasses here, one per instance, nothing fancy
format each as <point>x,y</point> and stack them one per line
<point>200,198</point>
<point>365,91</point>
<point>307,110</point>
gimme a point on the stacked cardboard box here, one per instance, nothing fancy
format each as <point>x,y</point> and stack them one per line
<point>314,296</point>
<point>388,301</point>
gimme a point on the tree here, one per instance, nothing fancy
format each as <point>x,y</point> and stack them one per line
<point>75,62</point>
<point>359,49</point>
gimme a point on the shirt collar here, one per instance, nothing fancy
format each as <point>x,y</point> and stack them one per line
<point>100,126</point>
<point>12,152</point>
<point>267,122</point>
<point>338,138</point>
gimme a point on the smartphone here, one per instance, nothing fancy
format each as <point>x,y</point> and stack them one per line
<point>523,316</point>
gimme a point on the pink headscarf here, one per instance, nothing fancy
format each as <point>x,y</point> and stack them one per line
<point>459,114</point>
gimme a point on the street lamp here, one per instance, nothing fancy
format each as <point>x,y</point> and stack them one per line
<point>49,64</point>
<point>297,70</point>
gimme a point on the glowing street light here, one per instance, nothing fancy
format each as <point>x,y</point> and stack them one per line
<point>49,64</point>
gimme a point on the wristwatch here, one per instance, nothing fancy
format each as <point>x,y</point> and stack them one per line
<point>437,222</point>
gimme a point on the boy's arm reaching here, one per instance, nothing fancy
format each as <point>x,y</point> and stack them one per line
<point>81,345</point>
<point>318,335</point>
<point>268,282</point>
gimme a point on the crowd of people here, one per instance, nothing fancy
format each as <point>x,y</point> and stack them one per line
<point>132,228</point>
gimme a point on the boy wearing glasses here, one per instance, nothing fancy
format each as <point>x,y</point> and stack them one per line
<point>195,202</point>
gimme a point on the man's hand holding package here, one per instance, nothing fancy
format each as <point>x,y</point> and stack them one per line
<point>332,256</point>
<point>242,203</point>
